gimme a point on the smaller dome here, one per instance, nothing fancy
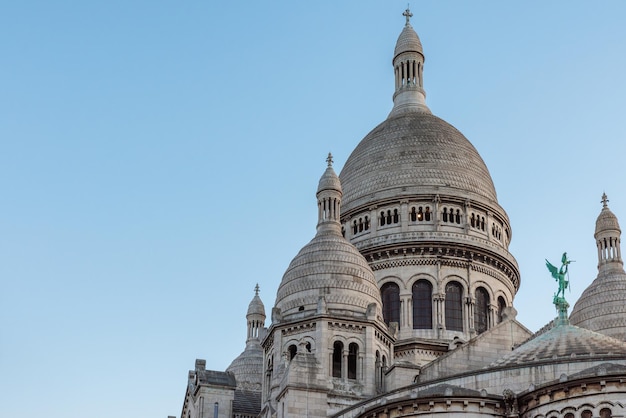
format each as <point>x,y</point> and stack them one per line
<point>256,306</point>
<point>248,367</point>
<point>408,41</point>
<point>329,180</point>
<point>329,275</point>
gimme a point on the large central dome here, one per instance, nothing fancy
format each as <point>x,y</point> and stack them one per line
<point>414,152</point>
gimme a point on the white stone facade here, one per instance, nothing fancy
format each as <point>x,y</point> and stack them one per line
<point>402,304</point>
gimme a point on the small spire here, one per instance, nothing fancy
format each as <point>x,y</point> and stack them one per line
<point>605,200</point>
<point>329,160</point>
<point>407,13</point>
<point>256,290</point>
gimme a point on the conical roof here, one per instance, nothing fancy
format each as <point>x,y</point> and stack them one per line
<point>408,41</point>
<point>329,180</point>
<point>607,221</point>
<point>256,306</point>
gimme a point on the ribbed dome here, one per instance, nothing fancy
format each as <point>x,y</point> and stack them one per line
<point>256,306</point>
<point>601,306</point>
<point>331,267</point>
<point>414,153</point>
<point>248,367</point>
<point>408,41</point>
<point>607,221</point>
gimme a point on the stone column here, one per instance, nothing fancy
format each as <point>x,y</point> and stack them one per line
<point>404,215</point>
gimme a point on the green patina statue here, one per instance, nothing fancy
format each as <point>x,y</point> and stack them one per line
<point>559,276</point>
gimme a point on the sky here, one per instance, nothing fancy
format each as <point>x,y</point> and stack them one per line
<point>158,159</point>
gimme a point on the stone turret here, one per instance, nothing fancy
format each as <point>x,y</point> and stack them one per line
<point>601,306</point>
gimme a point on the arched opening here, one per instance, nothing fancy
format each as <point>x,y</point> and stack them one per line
<point>501,306</point>
<point>390,295</point>
<point>293,350</point>
<point>427,214</point>
<point>353,353</point>
<point>586,414</point>
<point>605,413</point>
<point>337,356</point>
<point>481,310</point>
<point>454,306</point>
<point>422,305</point>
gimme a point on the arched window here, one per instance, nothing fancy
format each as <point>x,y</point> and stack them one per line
<point>337,356</point>
<point>454,306</point>
<point>308,347</point>
<point>457,217</point>
<point>413,215</point>
<point>586,414</point>
<point>422,305</point>
<point>396,216</point>
<point>427,214</point>
<point>605,413</point>
<point>501,306</point>
<point>292,351</point>
<point>382,218</point>
<point>569,415</point>
<point>481,310</point>
<point>355,228</point>
<point>444,216</point>
<point>390,294</point>
<point>353,353</point>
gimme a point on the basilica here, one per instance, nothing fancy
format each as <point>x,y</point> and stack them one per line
<point>403,303</point>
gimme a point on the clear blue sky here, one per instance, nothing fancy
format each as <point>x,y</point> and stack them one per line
<point>159,158</point>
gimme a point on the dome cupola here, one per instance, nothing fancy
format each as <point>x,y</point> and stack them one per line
<point>328,275</point>
<point>607,235</point>
<point>408,66</point>
<point>601,306</point>
<point>248,366</point>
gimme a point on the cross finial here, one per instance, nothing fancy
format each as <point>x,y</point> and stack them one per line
<point>329,160</point>
<point>407,13</point>
<point>256,290</point>
<point>604,200</point>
